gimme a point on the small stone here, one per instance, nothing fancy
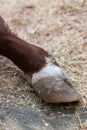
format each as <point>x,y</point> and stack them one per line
<point>46,124</point>
<point>33,106</point>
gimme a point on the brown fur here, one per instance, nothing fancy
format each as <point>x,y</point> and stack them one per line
<point>27,57</point>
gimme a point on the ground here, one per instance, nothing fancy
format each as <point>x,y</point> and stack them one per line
<point>60,27</point>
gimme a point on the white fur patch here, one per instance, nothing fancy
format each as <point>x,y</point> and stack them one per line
<point>49,70</point>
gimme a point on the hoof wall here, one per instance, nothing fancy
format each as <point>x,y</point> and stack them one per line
<point>55,90</point>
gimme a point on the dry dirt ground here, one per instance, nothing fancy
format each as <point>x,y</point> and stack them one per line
<point>60,27</point>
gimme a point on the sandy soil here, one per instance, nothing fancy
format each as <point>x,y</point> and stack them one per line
<point>58,26</point>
